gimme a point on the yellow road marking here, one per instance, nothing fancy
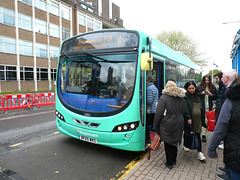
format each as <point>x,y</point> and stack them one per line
<point>129,167</point>
<point>56,132</point>
<point>14,145</point>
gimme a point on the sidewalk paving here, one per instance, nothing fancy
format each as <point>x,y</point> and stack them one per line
<point>188,167</point>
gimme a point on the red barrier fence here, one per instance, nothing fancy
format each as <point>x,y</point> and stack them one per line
<point>20,101</point>
<point>45,99</point>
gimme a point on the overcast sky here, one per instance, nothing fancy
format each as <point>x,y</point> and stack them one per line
<point>202,20</point>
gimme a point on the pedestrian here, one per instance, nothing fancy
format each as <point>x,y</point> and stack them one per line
<point>194,114</point>
<point>228,128</point>
<point>169,120</point>
<point>229,80</point>
<point>151,100</point>
<point>220,92</point>
<point>208,89</point>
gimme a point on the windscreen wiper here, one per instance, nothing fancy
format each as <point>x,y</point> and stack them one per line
<point>105,60</point>
<point>65,54</point>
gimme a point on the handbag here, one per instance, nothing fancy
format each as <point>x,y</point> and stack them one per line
<point>191,140</point>
<point>155,143</point>
<point>211,116</point>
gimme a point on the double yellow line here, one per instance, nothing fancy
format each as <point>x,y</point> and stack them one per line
<point>129,167</point>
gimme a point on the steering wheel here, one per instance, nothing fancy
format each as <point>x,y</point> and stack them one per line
<point>84,89</point>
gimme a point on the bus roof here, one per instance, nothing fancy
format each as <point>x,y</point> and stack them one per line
<point>168,53</point>
<point>161,49</point>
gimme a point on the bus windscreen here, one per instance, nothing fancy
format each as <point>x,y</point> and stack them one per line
<point>95,83</point>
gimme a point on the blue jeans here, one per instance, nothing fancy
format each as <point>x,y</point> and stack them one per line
<point>235,175</point>
<point>227,172</point>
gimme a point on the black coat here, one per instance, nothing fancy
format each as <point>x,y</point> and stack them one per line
<point>169,119</point>
<point>188,109</point>
<point>220,94</point>
<point>231,141</point>
<point>224,97</point>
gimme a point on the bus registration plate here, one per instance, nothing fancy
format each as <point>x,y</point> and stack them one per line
<point>83,138</point>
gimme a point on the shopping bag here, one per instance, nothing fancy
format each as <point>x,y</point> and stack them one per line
<point>211,116</point>
<point>155,143</point>
<point>191,140</point>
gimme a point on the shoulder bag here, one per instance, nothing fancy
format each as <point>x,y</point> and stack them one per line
<point>154,144</point>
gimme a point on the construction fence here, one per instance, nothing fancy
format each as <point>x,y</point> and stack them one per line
<point>29,101</point>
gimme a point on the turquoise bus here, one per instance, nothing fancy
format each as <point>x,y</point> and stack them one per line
<point>101,85</point>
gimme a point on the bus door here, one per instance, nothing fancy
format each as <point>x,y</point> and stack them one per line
<point>158,74</point>
<point>158,67</point>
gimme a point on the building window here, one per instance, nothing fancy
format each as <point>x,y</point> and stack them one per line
<point>82,19</point>
<point>29,2</point>
<point>65,12</point>
<point>41,50</point>
<point>54,30</point>
<point>90,23</point>
<point>7,45</point>
<point>24,22</point>
<point>53,74</point>
<point>42,74</point>
<point>25,48</point>
<point>7,17</point>
<point>26,74</point>
<point>11,73</point>
<point>8,73</point>
<point>97,25</point>
<point>54,52</point>
<point>65,33</point>
<point>2,73</point>
<point>41,26</point>
<point>41,4</point>
<point>53,8</point>
<point>83,5</point>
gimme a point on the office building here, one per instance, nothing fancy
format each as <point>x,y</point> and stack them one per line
<point>31,32</point>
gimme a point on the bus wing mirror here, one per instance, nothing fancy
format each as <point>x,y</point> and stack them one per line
<point>146,61</point>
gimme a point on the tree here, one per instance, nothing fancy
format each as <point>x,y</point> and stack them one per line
<point>183,43</point>
<point>214,71</point>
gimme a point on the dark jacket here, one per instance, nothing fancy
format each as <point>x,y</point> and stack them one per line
<point>220,94</point>
<point>224,97</point>
<point>188,109</point>
<point>228,129</point>
<point>169,120</point>
<point>231,141</point>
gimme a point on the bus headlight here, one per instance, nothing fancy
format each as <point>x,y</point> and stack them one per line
<point>59,116</point>
<point>126,127</point>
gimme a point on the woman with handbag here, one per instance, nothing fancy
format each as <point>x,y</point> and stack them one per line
<point>169,120</point>
<point>208,89</point>
<point>194,114</point>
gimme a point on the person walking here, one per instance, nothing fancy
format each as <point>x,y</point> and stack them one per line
<point>220,93</point>
<point>194,114</point>
<point>169,120</point>
<point>209,91</point>
<point>151,100</point>
<point>228,128</point>
<point>229,80</point>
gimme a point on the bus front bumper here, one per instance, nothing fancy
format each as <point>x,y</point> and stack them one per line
<point>130,140</point>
